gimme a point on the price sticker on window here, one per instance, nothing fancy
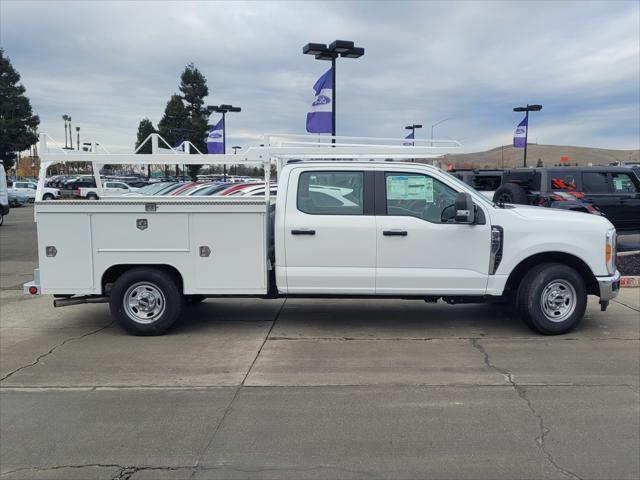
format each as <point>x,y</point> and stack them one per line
<point>404,187</point>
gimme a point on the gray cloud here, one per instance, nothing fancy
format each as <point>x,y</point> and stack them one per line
<point>109,64</point>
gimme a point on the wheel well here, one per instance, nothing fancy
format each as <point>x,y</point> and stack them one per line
<point>112,273</point>
<point>555,257</point>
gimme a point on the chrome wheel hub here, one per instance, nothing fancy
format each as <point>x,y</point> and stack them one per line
<point>558,300</point>
<point>144,302</point>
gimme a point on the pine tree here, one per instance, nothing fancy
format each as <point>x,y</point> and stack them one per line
<point>17,122</point>
<point>145,128</point>
<point>175,121</point>
<point>193,86</point>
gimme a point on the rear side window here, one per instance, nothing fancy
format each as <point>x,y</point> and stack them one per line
<point>595,182</point>
<point>622,183</point>
<point>563,181</point>
<point>487,183</point>
<point>331,193</point>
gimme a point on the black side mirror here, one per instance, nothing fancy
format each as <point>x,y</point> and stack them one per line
<point>465,210</point>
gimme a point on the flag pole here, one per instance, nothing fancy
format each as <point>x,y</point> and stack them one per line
<point>333,100</point>
<point>526,136</point>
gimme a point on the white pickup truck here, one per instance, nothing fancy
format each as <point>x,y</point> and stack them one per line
<point>109,189</point>
<point>345,226</point>
<point>29,189</point>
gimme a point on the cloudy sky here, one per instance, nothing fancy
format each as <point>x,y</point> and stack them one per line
<point>109,64</point>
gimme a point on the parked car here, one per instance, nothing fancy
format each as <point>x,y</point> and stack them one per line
<point>17,199</point>
<point>4,195</point>
<point>84,181</point>
<point>150,189</point>
<point>109,189</point>
<point>486,181</point>
<point>28,189</point>
<point>212,189</point>
<point>236,187</point>
<point>613,191</point>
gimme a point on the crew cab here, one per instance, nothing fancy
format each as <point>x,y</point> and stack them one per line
<point>109,189</point>
<point>349,226</point>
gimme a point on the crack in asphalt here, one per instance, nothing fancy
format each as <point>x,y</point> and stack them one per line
<point>227,411</point>
<point>628,306</point>
<point>53,349</point>
<point>522,393</point>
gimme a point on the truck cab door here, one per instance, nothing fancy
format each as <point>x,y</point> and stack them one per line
<point>419,252</point>
<point>328,233</point>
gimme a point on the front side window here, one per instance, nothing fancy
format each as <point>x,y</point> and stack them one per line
<point>331,193</point>
<point>595,182</point>
<point>416,195</point>
<point>622,183</point>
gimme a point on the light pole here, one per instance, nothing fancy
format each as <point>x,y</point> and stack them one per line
<point>527,109</point>
<point>413,130</point>
<point>235,165</point>
<point>78,137</point>
<point>342,48</point>
<point>223,109</point>
<point>435,125</point>
<point>70,134</point>
<point>65,117</point>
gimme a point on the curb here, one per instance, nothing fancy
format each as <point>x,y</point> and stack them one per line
<point>631,281</point>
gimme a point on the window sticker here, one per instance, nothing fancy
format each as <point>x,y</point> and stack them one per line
<point>618,182</point>
<point>419,187</point>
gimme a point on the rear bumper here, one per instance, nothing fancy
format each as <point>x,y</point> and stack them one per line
<point>26,287</point>
<point>609,286</point>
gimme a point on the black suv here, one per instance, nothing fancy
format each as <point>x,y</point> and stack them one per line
<point>614,191</point>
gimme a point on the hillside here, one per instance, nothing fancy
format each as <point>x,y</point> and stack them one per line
<point>549,154</point>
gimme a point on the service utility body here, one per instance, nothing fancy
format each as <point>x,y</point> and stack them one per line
<point>355,218</point>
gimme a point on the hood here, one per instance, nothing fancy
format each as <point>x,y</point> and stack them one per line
<point>553,215</point>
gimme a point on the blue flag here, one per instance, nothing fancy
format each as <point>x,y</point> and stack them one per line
<point>319,118</point>
<point>179,146</point>
<point>215,138</point>
<point>409,137</point>
<point>520,135</point>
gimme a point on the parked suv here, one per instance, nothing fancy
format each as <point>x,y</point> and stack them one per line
<point>613,191</point>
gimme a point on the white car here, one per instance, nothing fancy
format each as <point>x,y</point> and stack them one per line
<point>4,195</point>
<point>28,189</point>
<point>109,189</point>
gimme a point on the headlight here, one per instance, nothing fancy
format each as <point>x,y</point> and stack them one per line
<point>610,250</point>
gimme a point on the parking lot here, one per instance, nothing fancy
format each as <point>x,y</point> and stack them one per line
<point>311,389</point>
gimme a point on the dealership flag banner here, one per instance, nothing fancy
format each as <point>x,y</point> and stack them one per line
<point>520,135</point>
<point>409,137</point>
<point>179,146</point>
<point>319,117</point>
<point>215,138</point>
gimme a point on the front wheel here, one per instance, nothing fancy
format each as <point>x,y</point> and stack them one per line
<point>552,298</point>
<point>145,301</point>
<point>47,196</point>
<point>1,216</point>
<point>92,196</point>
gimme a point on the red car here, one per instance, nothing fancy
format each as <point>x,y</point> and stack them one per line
<point>238,186</point>
<point>186,186</point>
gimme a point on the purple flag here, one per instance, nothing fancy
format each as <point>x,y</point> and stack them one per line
<point>215,138</point>
<point>520,135</point>
<point>179,146</point>
<point>319,118</point>
<point>409,137</point>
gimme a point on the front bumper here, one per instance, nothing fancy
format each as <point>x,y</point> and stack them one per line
<point>609,286</point>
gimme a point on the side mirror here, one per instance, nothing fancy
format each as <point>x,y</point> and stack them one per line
<point>465,209</point>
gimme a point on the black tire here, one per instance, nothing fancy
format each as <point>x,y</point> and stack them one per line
<point>160,292</point>
<point>190,300</point>
<point>511,193</point>
<point>1,216</point>
<point>47,196</point>
<point>92,196</point>
<point>566,298</point>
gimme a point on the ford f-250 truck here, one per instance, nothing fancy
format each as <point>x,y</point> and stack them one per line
<point>343,226</point>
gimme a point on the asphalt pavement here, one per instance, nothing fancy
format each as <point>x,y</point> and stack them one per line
<point>311,389</point>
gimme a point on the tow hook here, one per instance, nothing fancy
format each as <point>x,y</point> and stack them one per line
<point>603,305</point>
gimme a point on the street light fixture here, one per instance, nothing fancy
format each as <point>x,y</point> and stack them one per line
<point>223,108</point>
<point>413,129</point>
<point>338,48</point>
<point>435,125</point>
<point>527,109</point>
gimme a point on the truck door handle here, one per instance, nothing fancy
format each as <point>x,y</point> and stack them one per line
<point>303,231</point>
<point>394,233</point>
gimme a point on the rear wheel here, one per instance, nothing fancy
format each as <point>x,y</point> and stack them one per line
<point>552,298</point>
<point>1,216</point>
<point>511,193</point>
<point>145,301</point>
<point>92,196</point>
<point>47,196</point>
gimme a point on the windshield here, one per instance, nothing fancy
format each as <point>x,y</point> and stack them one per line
<point>469,188</point>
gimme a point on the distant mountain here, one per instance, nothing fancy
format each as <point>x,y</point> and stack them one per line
<point>550,155</point>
